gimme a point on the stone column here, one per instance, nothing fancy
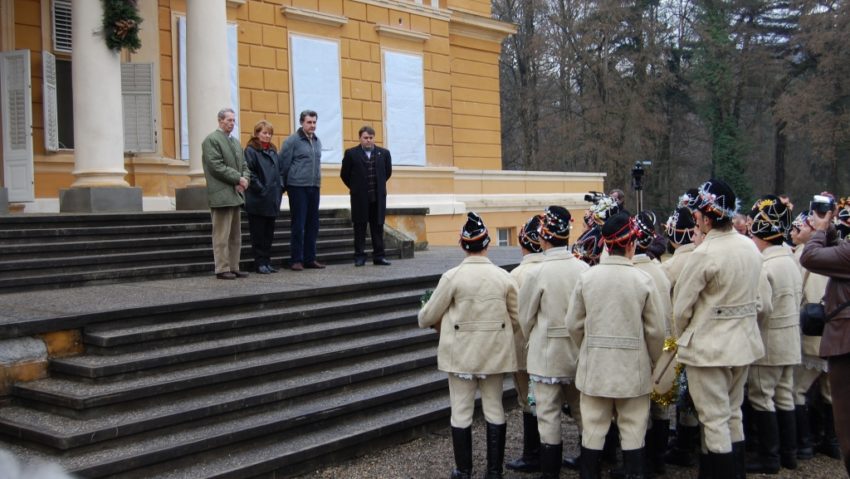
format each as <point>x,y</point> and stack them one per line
<point>208,88</point>
<point>98,122</point>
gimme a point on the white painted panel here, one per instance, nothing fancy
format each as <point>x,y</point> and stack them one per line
<point>404,106</point>
<point>51,109</point>
<point>316,86</point>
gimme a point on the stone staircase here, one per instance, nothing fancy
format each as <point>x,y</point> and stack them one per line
<point>237,389</point>
<point>51,251</point>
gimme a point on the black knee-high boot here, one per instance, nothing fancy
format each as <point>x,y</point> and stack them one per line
<point>805,449</point>
<point>682,453</point>
<point>550,460</point>
<point>495,450</point>
<point>530,459</point>
<point>656,446</point>
<point>787,438</point>
<point>768,443</point>
<point>589,466</point>
<point>634,462</point>
<point>829,443</point>
<point>462,443</point>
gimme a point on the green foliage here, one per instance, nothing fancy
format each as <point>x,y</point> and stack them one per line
<point>121,22</point>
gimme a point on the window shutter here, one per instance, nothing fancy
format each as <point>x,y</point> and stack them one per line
<point>62,26</point>
<point>138,108</point>
<point>51,115</point>
<point>16,107</point>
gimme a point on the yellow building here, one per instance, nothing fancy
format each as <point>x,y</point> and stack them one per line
<point>80,120</point>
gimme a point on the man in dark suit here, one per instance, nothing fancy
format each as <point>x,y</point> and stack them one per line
<point>365,171</point>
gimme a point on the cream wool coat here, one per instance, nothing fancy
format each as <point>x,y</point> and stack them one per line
<point>674,266</point>
<point>814,287</point>
<point>477,304</point>
<point>616,318</point>
<point>528,264</point>
<point>780,330</point>
<point>715,302</point>
<point>543,300</point>
<point>662,284</point>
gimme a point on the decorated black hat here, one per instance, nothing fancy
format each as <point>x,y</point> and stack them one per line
<point>680,226</point>
<point>801,220</point>
<point>556,224</point>
<point>474,236</point>
<point>619,230</point>
<point>771,218</point>
<point>589,245</point>
<point>689,199</point>
<point>645,222</point>
<point>603,209</point>
<point>716,199</point>
<point>529,235</point>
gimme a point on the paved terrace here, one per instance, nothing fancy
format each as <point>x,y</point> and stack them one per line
<point>25,313</point>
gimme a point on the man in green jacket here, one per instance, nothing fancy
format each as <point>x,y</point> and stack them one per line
<point>227,178</point>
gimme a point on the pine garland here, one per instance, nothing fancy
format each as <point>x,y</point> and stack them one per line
<point>121,24</point>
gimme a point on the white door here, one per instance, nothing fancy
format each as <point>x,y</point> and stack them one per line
<point>16,106</point>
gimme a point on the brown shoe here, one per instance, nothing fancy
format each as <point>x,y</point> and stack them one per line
<point>240,274</point>
<point>296,267</point>
<point>314,265</point>
<point>225,275</point>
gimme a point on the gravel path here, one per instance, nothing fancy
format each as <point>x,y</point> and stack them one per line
<point>431,457</point>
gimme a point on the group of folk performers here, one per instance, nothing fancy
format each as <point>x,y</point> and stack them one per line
<point>628,329</point>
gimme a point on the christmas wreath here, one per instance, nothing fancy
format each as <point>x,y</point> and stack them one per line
<point>121,24</point>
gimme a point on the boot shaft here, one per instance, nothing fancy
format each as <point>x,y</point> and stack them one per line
<point>495,450</point>
<point>462,445</point>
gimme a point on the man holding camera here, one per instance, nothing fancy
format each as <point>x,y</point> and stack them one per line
<point>827,255</point>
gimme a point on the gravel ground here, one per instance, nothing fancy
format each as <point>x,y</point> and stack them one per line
<point>431,457</point>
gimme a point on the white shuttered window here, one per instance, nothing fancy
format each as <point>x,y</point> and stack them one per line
<point>138,108</point>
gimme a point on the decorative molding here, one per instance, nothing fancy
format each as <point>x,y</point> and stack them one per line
<point>520,175</point>
<point>402,33</point>
<point>236,3</point>
<point>314,17</point>
<point>472,25</point>
<point>410,7</point>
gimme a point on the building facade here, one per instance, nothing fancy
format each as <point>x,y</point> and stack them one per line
<point>80,119</point>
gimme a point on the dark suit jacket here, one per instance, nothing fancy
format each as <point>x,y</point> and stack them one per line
<point>354,174</point>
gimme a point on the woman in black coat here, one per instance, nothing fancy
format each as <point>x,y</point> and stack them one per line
<point>263,196</point>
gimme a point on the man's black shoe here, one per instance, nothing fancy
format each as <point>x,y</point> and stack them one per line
<point>359,262</point>
<point>381,262</point>
<point>263,269</point>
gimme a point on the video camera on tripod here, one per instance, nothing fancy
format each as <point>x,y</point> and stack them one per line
<point>594,196</point>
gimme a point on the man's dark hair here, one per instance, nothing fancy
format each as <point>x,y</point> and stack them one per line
<point>618,195</point>
<point>368,129</point>
<point>306,113</point>
<point>720,224</point>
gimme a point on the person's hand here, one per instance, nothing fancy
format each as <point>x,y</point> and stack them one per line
<point>243,182</point>
<point>239,188</point>
<point>821,223</point>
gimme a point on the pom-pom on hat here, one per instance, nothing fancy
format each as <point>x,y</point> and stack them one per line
<point>645,222</point>
<point>474,236</point>
<point>556,224</point>
<point>680,226</point>
<point>603,209</point>
<point>771,218</point>
<point>619,230</point>
<point>716,199</point>
<point>529,235</point>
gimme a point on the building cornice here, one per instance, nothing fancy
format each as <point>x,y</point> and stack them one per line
<point>314,16</point>
<point>411,7</point>
<point>468,24</point>
<point>236,3</point>
<point>401,33</point>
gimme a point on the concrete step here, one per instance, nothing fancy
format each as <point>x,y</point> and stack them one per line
<point>107,338</point>
<point>291,419</point>
<point>288,453</point>
<point>158,355</point>
<point>52,429</point>
<point>70,393</point>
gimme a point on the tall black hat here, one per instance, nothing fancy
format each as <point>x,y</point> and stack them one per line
<point>771,218</point>
<point>474,236</point>
<point>603,209</point>
<point>529,235</point>
<point>619,230</point>
<point>680,226</point>
<point>645,222</point>
<point>689,199</point>
<point>842,218</point>
<point>556,224</point>
<point>589,245</point>
<point>716,199</point>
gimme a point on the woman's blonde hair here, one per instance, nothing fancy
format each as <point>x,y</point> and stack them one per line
<point>262,125</point>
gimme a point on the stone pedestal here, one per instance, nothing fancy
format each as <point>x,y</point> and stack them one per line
<point>100,200</point>
<point>193,198</point>
<point>4,201</point>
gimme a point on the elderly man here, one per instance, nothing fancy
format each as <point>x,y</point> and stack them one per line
<point>227,177</point>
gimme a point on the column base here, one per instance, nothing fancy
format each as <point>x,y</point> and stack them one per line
<point>100,200</point>
<point>4,201</point>
<point>192,198</point>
